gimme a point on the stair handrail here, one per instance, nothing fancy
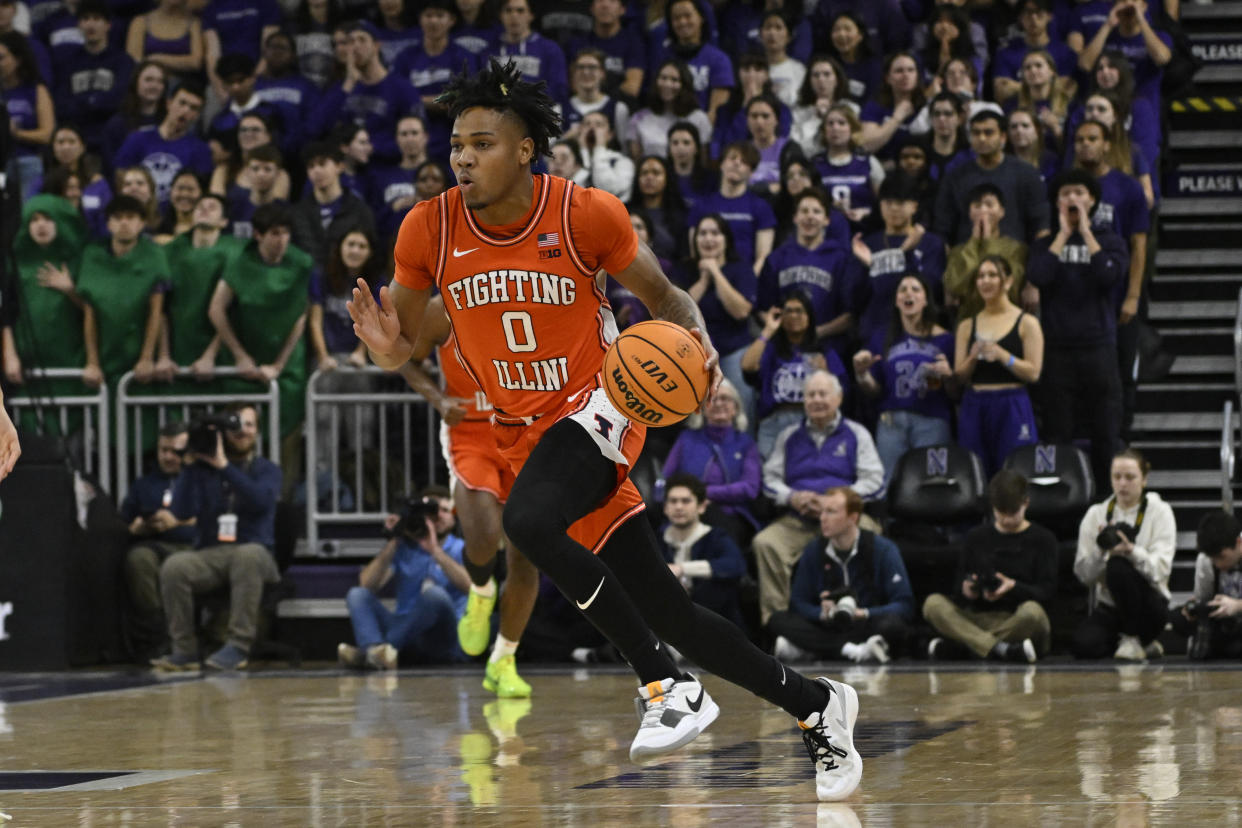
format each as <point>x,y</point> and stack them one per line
<point>1237,348</point>
<point>1226,459</point>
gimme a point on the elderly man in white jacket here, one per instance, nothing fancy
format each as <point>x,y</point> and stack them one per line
<point>1126,571</point>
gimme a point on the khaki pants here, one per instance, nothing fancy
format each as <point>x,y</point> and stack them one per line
<point>243,567</point>
<point>981,630</point>
<point>777,548</point>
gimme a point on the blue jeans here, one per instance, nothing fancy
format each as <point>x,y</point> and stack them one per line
<point>771,426</point>
<point>429,629</point>
<point>30,168</point>
<point>899,431</point>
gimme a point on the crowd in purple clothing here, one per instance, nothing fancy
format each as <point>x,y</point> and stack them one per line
<point>948,206</point>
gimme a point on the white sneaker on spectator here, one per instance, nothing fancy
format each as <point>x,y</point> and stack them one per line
<point>788,652</point>
<point>1129,649</point>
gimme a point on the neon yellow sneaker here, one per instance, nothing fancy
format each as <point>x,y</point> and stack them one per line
<point>475,627</point>
<point>501,678</point>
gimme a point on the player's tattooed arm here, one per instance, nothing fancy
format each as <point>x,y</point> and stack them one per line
<point>668,302</point>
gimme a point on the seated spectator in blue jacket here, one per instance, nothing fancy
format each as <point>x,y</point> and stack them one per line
<point>1006,581</point>
<point>704,558</point>
<point>156,533</point>
<point>824,451</point>
<point>424,560</point>
<point>851,596</point>
<point>231,494</point>
<point>717,449</point>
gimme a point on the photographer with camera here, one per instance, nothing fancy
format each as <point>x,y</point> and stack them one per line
<point>231,493</point>
<point>431,585</point>
<point>1213,617</point>
<point>1125,554</point>
<point>1008,577</point>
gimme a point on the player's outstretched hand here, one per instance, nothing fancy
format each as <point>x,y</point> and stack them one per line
<point>375,324</point>
<point>712,365</point>
<point>10,449</point>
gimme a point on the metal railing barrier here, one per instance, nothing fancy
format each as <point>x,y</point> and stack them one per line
<point>96,450</point>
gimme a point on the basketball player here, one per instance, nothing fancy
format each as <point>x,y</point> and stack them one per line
<point>515,257</point>
<point>481,483</point>
<point>10,449</point>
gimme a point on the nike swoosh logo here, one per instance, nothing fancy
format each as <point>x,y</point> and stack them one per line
<point>594,595</point>
<point>457,254</point>
<point>782,675</point>
<point>697,703</point>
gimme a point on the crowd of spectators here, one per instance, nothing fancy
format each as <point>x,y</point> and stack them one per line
<point>907,223</point>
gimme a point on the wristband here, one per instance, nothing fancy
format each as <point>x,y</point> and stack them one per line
<point>1012,360</point>
<point>764,337</point>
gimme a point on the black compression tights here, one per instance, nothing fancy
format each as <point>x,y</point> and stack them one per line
<point>565,478</point>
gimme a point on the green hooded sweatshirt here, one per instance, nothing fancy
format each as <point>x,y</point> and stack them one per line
<point>48,330</point>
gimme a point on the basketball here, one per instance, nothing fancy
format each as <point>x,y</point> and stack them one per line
<point>654,374</point>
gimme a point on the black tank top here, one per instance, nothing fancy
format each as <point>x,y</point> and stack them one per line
<point>995,373</point>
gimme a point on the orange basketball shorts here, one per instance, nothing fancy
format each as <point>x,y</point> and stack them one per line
<point>474,459</point>
<point>618,439</point>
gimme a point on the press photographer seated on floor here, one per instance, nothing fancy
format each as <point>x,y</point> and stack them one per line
<point>1213,617</point>
<point>432,585</point>
<point>231,493</point>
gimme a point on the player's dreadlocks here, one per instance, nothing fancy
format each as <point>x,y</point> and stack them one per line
<point>500,87</point>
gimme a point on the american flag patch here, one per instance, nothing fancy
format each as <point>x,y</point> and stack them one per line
<point>549,239</point>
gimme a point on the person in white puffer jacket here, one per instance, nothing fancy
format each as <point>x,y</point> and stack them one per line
<point>1129,579</point>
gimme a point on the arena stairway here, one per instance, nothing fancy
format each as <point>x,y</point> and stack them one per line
<point>1193,295</point>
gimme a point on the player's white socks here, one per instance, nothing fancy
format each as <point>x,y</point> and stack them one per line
<point>503,647</point>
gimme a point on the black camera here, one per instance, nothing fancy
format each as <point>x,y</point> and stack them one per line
<point>1191,609</point>
<point>988,580</point>
<point>413,517</point>
<point>203,430</point>
<point>1114,533</point>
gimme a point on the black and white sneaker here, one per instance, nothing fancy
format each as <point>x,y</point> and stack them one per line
<point>670,714</point>
<point>829,739</point>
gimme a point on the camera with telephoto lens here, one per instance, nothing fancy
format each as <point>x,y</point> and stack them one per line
<point>1114,533</point>
<point>988,580</point>
<point>203,430</point>
<point>413,517</point>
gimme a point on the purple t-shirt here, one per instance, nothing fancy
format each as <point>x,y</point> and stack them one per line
<point>395,42</point>
<point>710,68</point>
<point>878,113</point>
<point>829,275</point>
<point>539,58</point>
<point>727,334</point>
<point>848,184</point>
<point>21,103</point>
<point>1008,61</point>
<point>240,23</point>
<point>164,158</point>
<point>903,374</point>
<point>429,74</point>
<point>338,328</point>
<point>1123,206</point>
<point>1147,75</point>
<point>746,215</point>
<point>888,264</point>
<point>478,40</point>
<point>624,50</point>
<point>781,377</point>
<point>375,106</point>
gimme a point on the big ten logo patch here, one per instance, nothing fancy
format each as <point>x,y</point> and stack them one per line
<point>6,609</point>
<point>937,462</point>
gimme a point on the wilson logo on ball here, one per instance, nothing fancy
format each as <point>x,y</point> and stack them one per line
<point>655,373</point>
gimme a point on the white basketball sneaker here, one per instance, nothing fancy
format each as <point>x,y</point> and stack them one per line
<point>670,714</point>
<point>829,739</point>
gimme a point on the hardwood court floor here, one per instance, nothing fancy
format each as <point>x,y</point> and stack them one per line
<point>1155,745</point>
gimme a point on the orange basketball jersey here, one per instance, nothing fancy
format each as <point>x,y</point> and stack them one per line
<point>528,312</point>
